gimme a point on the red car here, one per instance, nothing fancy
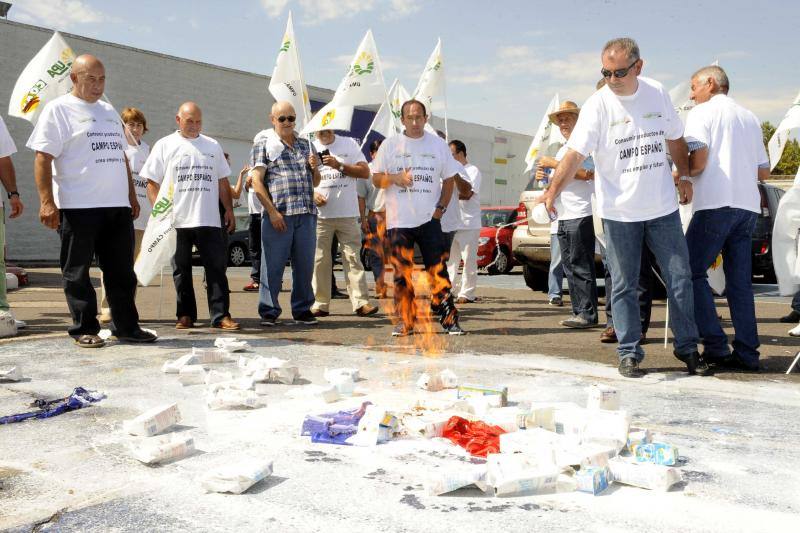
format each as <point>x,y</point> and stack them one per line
<point>492,234</point>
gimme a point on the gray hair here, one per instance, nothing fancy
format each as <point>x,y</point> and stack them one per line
<point>625,44</point>
<point>717,74</point>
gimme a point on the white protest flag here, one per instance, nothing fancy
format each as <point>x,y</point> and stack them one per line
<point>431,87</point>
<point>778,141</point>
<point>331,117</point>
<point>45,78</point>
<point>287,82</point>
<point>546,135</point>
<point>363,84</point>
<point>387,119</point>
<point>158,241</point>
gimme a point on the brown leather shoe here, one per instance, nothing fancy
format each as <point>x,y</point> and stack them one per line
<point>366,310</point>
<point>608,336</point>
<point>320,313</point>
<point>227,323</point>
<point>184,322</point>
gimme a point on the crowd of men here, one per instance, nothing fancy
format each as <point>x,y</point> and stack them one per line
<point>97,179</point>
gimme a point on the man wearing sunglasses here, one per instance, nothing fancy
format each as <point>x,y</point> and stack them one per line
<point>285,172</point>
<point>628,126</point>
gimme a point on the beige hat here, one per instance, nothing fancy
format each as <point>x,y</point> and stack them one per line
<point>567,106</point>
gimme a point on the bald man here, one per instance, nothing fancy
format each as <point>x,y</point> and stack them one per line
<point>87,194</point>
<point>195,166</point>
<point>285,172</point>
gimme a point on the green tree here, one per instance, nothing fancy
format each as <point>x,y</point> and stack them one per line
<point>790,160</point>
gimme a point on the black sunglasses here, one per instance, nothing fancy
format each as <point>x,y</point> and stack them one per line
<point>619,73</point>
<point>284,119</point>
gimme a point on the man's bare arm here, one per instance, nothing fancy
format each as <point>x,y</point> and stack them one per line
<point>564,173</point>
<point>43,174</point>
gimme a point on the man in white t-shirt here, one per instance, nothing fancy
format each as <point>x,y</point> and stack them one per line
<point>417,170</point>
<point>725,171</point>
<point>576,227</point>
<point>463,218</point>
<point>8,324</point>
<point>86,193</point>
<point>195,166</point>
<point>628,126</point>
<point>338,212</point>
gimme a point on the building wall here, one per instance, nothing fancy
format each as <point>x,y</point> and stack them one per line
<point>235,107</point>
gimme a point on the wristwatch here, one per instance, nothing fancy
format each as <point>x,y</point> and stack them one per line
<point>686,178</point>
<point>12,193</point>
<point>441,207</point>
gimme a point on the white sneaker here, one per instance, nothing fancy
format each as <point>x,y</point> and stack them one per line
<point>8,326</point>
<point>21,324</point>
<point>795,331</point>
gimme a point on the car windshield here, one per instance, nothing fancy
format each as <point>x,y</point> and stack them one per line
<point>495,217</point>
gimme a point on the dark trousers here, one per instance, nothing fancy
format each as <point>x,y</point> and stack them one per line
<point>107,232</point>
<point>376,247</point>
<point>644,290</point>
<point>431,243</point>
<point>728,230</point>
<point>213,255</point>
<point>254,236</point>
<point>576,239</point>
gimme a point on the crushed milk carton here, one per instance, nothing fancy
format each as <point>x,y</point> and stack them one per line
<point>153,421</point>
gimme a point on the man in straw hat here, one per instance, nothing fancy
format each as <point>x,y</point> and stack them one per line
<point>575,227</point>
<point>628,126</point>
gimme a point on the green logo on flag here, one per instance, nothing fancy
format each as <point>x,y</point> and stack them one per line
<point>360,70</point>
<point>161,207</point>
<point>286,44</point>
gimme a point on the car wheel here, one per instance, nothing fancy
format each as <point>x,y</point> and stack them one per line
<point>534,278</point>
<point>237,255</point>
<point>502,262</point>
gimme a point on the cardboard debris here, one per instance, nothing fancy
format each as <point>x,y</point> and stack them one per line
<point>596,426</point>
<point>162,449</point>
<point>333,373</point>
<point>375,427</point>
<point>198,356</point>
<point>225,398</point>
<point>468,390</point>
<point>153,421</point>
<point>446,379</point>
<point>447,479</point>
<point>516,475</point>
<point>638,437</point>
<point>231,344</point>
<point>593,479</point>
<point>657,453</point>
<point>11,374</point>
<point>236,478</point>
<point>509,418</point>
<point>644,475</point>
<point>603,397</point>
<point>192,375</point>
<point>218,376</point>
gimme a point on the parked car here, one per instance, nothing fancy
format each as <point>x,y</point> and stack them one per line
<point>530,243</point>
<point>762,234</point>
<point>488,250</point>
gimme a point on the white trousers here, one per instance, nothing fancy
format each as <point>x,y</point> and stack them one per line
<point>465,247</point>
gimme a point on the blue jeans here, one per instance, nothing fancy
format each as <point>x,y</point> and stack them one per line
<point>728,230</point>
<point>664,237</point>
<point>298,243</point>
<point>796,301</point>
<point>555,278</point>
<point>576,240</point>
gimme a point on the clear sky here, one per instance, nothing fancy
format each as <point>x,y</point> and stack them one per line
<point>503,59</point>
